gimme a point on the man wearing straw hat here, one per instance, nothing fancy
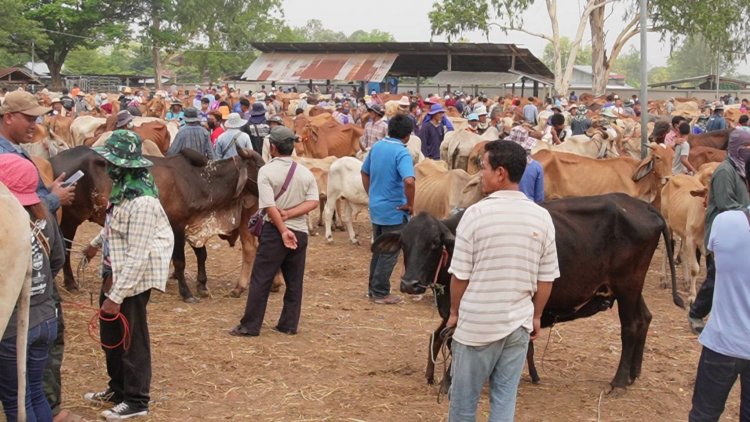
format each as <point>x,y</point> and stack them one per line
<point>137,242</point>
<point>226,144</point>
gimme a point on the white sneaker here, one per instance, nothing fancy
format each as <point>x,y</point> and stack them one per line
<point>123,411</point>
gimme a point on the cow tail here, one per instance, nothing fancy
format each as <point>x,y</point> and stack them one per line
<point>669,250</point>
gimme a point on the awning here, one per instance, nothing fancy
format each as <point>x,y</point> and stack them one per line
<point>483,78</point>
<point>336,67</point>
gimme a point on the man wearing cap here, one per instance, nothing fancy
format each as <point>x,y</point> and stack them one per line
<point>57,107</point>
<point>283,241</point>
<point>388,178</point>
<point>432,132</point>
<point>716,121</point>
<point>344,117</point>
<point>104,104</point>
<point>375,129</point>
<point>137,244</point>
<point>17,124</point>
<point>193,136</point>
<point>232,137</point>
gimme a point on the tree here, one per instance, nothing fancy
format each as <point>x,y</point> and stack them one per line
<point>59,26</point>
<point>695,58</point>
<point>313,31</point>
<point>375,35</point>
<point>548,56</point>
<point>629,64</point>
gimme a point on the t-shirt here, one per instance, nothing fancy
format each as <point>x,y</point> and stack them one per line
<point>224,147</point>
<point>388,164</point>
<point>680,150</point>
<point>301,188</point>
<point>728,328</point>
<point>580,126</point>
<point>530,113</point>
<point>532,181</point>
<point>504,245</point>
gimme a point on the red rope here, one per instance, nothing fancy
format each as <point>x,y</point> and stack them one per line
<point>98,315</point>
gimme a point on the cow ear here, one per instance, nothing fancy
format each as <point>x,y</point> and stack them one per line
<point>387,243</point>
<point>644,168</point>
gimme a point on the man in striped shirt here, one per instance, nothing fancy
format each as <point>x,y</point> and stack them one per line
<point>503,266</point>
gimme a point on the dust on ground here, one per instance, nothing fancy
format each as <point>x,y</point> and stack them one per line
<point>356,361</point>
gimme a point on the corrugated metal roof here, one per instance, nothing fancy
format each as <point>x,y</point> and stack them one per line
<point>475,78</point>
<point>336,66</point>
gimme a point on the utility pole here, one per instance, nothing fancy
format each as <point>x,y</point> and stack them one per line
<point>32,58</point>
<point>644,80</point>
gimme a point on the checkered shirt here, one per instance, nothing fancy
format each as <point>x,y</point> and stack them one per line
<point>373,133</point>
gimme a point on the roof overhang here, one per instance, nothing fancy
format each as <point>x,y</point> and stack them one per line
<point>294,67</point>
<point>484,78</point>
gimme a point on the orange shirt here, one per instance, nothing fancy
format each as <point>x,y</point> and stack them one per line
<point>74,92</point>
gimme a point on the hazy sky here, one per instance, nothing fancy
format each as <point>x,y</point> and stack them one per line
<point>407,20</point>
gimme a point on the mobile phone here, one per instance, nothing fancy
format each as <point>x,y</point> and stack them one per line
<point>72,179</point>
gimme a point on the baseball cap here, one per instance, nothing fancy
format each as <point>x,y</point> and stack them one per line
<point>22,102</point>
<point>280,134</point>
<point>20,176</point>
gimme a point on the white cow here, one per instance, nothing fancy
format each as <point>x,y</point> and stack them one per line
<point>84,127</point>
<point>15,280</point>
<point>345,183</point>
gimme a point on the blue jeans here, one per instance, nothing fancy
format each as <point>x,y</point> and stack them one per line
<point>501,362</point>
<point>716,376</point>
<point>382,264</point>
<point>41,338</point>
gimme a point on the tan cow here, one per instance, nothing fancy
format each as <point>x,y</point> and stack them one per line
<point>573,175</point>
<point>685,214</point>
<point>458,144</point>
<point>700,155</point>
<point>599,144</point>
<point>60,125</point>
<point>323,136</point>
<point>440,191</point>
<point>84,127</point>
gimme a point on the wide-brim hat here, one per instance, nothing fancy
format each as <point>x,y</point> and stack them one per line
<point>124,149</point>
<point>375,108</point>
<point>472,117</point>
<point>258,110</point>
<point>123,118</point>
<point>127,90</point>
<point>175,103</point>
<point>609,113</point>
<point>55,100</point>
<point>191,115</point>
<point>435,109</point>
<point>234,121</point>
<point>276,119</point>
<point>404,101</point>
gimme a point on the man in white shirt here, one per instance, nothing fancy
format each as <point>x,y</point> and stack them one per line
<point>503,269</point>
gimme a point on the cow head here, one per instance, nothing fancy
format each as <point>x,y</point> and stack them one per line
<point>659,160</point>
<point>423,241</point>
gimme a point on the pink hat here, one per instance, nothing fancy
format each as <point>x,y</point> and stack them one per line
<point>21,177</point>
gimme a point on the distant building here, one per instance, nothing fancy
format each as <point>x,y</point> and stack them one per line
<point>583,79</point>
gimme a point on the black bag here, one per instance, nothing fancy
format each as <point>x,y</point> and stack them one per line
<point>255,225</point>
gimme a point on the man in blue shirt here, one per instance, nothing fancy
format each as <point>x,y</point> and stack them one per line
<point>726,338</point>
<point>717,121</point>
<point>17,122</point>
<point>388,177</point>
<point>530,112</point>
<point>532,181</point>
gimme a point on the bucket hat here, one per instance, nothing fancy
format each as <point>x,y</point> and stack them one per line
<point>124,149</point>
<point>20,176</point>
<point>234,121</point>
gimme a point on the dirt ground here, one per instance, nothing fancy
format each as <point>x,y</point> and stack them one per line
<point>356,361</point>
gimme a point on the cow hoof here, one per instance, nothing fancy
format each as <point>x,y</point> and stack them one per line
<point>71,287</point>
<point>191,299</point>
<point>663,284</point>
<point>430,381</point>
<point>616,391</point>
<point>236,292</point>
<point>535,380</point>
<point>329,240</point>
<point>202,291</point>
<point>355,242</point>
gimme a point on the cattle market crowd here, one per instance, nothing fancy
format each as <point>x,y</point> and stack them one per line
<point>485,196</point>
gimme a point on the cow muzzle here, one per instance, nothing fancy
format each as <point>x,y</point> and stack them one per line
<point>412,287</point>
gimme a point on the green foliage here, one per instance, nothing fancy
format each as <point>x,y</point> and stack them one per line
<point>313,31</point>
<point>629,64</point>
<point>658,74</point>
<point>548,56</point>
<point>452,18</point>
<point>695,58</point>
<point>123,59</point>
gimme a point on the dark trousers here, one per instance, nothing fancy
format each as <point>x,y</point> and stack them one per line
<point>52,378</point>
<point>702,305</point>
<point>716,376</point>
<point>382,264</point>
<point>272,255</point>
<point>40,339</point>
<point>129,370</point>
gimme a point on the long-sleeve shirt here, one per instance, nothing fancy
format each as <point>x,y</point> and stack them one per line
<point>195,137</point>
<point>432,136</point>
<point>728,191</point>
<point>716,122</point>
<point>140,244</point>
<point>50,200</point>
<point>374,131</point>
<point>532,182</point>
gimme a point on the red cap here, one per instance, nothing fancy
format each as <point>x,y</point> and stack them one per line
<point>21,177</point>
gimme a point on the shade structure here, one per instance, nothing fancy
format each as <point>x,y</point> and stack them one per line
<point>305,66</point>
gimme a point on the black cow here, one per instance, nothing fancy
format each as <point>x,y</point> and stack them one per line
<point>605,245</point>
<point>190,189</point>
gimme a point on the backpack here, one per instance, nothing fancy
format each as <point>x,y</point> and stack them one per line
<point>67,102</point>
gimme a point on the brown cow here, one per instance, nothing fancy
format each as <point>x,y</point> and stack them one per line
<point>573,175</point>
<point>60,125</point>
<point>323,137</point>
<point>716,139</point>
<point>700,155</point>
<point>202,201</point>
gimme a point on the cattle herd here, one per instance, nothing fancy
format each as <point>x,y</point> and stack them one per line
<point>610,207</point>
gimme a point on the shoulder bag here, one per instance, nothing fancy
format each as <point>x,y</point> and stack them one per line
<point>255,225</point>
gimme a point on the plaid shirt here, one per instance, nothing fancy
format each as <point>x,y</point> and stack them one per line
<point>140,247</point>
<point>373,133</point>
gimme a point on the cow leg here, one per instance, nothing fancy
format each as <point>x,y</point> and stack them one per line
<point>347,217</point>
<point>201,255</point>
<point>337,217</point>
<point>69,229</point>
<point>530,362</point>
<point>664,276</point>
<point>633,328</point>
<point>640,345</point>
<point>328,219</point>
<point>432,352</point>
<point>321,207</point>
<point>178,260</point>
<point>249,246</point>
